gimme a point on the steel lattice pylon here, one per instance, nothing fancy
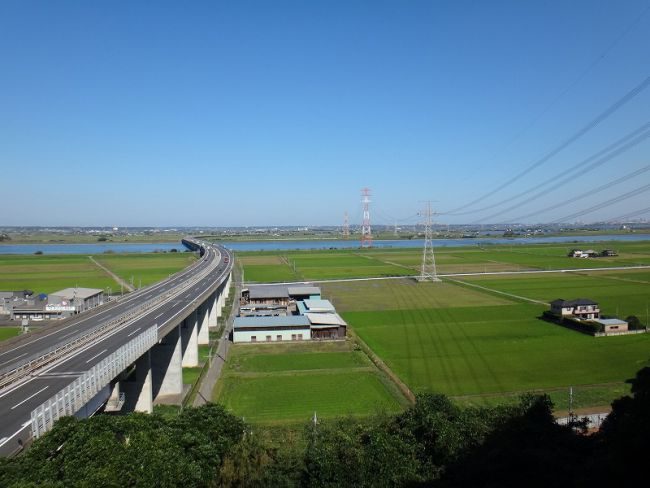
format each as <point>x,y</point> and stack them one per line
<point>366,233</point>
<point>428,270</point>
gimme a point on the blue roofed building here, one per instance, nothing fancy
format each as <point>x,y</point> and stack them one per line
<point>271,329</point>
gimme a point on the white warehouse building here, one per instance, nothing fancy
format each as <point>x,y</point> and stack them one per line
<point>271,329</point>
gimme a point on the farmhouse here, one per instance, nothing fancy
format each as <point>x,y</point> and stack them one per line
<point>579,253</point>
<point>581,308</point>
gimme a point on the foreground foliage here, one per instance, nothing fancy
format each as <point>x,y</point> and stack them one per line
<point>435,442</point>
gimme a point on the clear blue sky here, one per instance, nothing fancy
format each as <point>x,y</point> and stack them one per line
<point>279,112</point>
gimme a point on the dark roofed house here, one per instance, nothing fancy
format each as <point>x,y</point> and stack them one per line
<point>580,308</point>
<point>266,295</point>
<point>303,292</point>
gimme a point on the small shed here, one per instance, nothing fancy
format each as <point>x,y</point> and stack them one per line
<point>613,325</point>
<point>327,326</point>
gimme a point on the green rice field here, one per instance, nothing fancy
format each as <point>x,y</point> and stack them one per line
<point>280,383</point>
<point>271,266</point>
<point>147,268</point>
<point>482,347</point>
<point>50,273</point>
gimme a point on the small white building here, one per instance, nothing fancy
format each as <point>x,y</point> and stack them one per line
<point>271,329</point>
<point>613,325</point>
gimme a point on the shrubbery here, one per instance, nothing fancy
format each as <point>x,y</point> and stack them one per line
<point>433,443</point>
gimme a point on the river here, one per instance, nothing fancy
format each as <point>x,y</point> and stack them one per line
<point>125,247</point>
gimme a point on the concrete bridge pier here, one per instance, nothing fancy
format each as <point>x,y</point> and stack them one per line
<point>166,368</point>
<point>189,341</point>
<point>203,323</point>
<point>227,287</point>
<point>220,303</point>
<point>212,308</point>
<point>217,304</point>
<point>138,394</point>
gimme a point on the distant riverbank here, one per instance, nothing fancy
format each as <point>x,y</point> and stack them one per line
<point>292,245</point>
<point>414,243</point>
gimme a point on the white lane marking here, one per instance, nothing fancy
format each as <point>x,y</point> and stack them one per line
<point>96,355</point>
<point>68,335</point>
<point>4,440</point>
<point>159,315</point>
<point>30,397</point>
<point>129,335</point>
<point>12,388</point>
<point>24,354</point>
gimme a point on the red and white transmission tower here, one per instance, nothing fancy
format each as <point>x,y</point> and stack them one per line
<point>346,226</point>
<point>366,233</point>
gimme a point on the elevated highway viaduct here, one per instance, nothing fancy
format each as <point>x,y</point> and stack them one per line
<point>125,355</point>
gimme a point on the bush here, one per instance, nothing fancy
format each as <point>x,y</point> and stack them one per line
<point>634,323</point>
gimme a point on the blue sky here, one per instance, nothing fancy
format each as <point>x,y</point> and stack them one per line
<point>278,113</point>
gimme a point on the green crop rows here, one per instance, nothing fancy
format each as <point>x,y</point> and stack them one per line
<point>279,383</point>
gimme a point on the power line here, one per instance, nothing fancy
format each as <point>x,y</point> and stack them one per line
<point>618,147</point>
<point>571,85</point>
<point>631,214</point>
<point>591,191</point>
<point>565,177</point>
<point>563,145</point>
<point>604,204</point>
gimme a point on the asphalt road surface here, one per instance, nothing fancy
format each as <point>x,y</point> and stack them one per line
<point>18,401</point>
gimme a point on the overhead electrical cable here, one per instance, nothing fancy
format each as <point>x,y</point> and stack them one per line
<point>616,148</point>
<point>604,204</point>
<point>591,191</point>
<point>630,95</point>
<point>565,177</point>
<point>631,214</point>
<point>571,85</point>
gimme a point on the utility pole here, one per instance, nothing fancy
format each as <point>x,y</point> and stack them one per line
<point>366,232</point>
<point>395,230</point>
<point>346,226</point>
<point>428,270</point>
